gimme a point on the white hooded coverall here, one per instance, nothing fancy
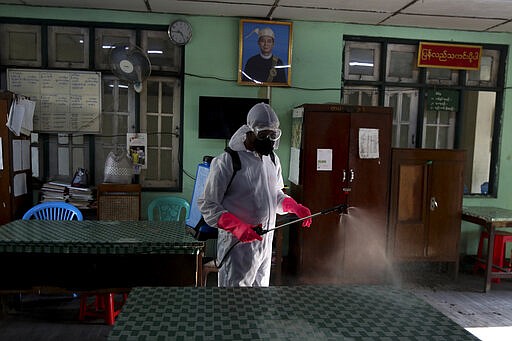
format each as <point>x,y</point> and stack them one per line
<point>254,197</point>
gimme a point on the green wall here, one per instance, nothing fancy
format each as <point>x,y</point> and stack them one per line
<point>211,62</point>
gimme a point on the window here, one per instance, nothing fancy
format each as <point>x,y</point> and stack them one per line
<point>361,96</point>
<point>21,45</point>
<point>164,56</point>
<point>106,39</point>
<point>401,63</point>
<point>487,76</point>
<point>68,47</point>
<point>67,153</point>
<point>418,121</point>
<point>438,129</point>
<point>362,61</point>
<point>160,119</point>
<point>442,76</point>
<point>405,113</point>
<point>118,118</point>
<point>156,110</point>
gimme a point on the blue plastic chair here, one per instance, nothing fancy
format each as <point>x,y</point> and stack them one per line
<point>168,208</point>
<point>54,210</point>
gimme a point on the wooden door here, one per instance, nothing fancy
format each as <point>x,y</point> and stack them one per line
<point>426,204</point>
<point>446,184</point>
<point>318,249</point>
<point>365,226</point>
<point>407,237</point>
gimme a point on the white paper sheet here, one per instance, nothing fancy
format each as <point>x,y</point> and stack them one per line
<point>17,163</point>
<point>324,159</point>
<point>20,184</point>
<point>293,175</point>
<point>35,162</point>
<point>16,114</point>
<point>25,154</point>
<point>368,143</point>
<point>28,118</point>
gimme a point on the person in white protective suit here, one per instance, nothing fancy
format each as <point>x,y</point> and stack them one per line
<point>252,199</point>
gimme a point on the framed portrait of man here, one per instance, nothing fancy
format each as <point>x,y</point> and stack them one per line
<point>265,56</point>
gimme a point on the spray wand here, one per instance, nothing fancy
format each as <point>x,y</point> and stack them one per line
<point>342,209</point>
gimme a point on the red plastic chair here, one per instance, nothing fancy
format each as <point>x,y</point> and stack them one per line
<point>501,239</point>
<point>103,306</point>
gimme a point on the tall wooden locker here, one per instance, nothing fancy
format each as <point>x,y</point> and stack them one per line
<point>12,206</point>
<point>356,142</point>
<point>426,205</point>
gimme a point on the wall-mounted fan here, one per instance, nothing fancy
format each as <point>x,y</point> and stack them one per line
<point>130,63</point>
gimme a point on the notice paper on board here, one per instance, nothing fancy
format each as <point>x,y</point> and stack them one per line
<point>368,143</point>
<point>324,159</point>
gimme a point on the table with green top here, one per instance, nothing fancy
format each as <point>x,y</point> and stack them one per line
<point>82,255</point>
<point>490,218</point>
<point>281,313</point>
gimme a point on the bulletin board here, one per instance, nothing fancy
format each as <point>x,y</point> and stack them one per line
<point>66,101</point>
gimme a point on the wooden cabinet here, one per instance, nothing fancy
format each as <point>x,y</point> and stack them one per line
<point>426,205</point>
<point>356,140</point>
<point>15,174</point>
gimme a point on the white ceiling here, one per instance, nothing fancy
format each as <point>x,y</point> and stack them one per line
<point>472,15</point>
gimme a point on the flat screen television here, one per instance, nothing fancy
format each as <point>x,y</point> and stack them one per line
<point>220,117</point>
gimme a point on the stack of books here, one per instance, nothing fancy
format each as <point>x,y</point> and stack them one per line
<point>80,197</point>
<point>54,191</point>
<point>62,191</point>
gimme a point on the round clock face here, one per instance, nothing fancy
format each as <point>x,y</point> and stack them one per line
<point>180,32</point>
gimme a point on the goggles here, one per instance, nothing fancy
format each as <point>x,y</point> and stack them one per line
<point>272,134</point>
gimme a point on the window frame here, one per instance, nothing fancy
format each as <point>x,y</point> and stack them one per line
<point>349,45</point>
<point>5,59</point>
<point>53,48</point>
<point>457,82</point>
<point>175,182</point>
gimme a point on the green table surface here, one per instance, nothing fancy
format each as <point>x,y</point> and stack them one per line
<point>281,313</point>
<point>489,214</point>
<point>96,237</point>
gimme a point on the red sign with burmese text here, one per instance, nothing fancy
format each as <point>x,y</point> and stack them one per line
<point>452,56</point>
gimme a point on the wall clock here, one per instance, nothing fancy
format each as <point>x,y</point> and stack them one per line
<point>180,32</point>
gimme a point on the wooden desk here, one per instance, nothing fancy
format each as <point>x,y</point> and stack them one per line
<point>281,313</point>
<point>83,255</point>
<point>489,218</point>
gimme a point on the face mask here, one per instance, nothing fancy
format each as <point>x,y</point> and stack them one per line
<point>263,147</point>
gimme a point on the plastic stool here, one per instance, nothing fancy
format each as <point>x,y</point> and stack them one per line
<point>501,239</point>
<point>102,307</point>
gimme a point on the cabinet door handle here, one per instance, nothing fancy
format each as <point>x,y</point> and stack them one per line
<point>352,175</point>
<point>433,203</point>
<point>344,176</point>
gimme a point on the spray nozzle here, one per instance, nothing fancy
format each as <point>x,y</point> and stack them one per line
<point>341,209</point>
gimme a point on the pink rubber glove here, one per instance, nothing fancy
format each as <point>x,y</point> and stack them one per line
<point>243,231</point>
<point>290,205</point>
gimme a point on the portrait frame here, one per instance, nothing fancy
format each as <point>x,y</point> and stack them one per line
<point>249,47</point>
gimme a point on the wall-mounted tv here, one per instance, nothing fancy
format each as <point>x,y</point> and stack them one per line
<point>220,117</point>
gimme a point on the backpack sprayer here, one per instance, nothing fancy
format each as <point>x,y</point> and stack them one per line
<point>341,209</point>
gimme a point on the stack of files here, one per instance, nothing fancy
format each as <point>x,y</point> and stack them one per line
<point>80,197</point>
<point>54,191</point>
